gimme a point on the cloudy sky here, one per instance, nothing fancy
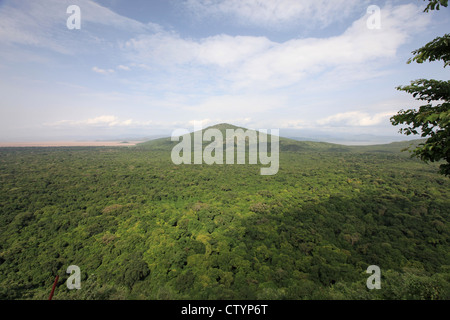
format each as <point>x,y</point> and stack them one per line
<point>151,66</point>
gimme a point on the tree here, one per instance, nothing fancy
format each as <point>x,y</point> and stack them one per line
<point>433,121</point>
<point>435,4</point>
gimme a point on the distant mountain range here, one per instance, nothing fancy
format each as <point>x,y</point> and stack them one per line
<point>340,138</point>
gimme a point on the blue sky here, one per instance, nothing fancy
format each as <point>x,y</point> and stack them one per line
<point>138,68</point>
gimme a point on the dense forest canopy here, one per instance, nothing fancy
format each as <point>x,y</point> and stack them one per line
<point>140,227</point>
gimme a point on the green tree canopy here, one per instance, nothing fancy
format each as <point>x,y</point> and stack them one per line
<point>432,121</point>
<point>435,4</point>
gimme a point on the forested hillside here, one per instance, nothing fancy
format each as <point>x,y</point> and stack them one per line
<point>140,227</point>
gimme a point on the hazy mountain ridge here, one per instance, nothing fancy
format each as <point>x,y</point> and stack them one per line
<point>287,144</point>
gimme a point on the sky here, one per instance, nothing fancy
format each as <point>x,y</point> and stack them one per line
<point>142,68</point>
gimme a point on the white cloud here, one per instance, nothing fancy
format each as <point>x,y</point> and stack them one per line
<point>100,121</point>
<point>223,78</point>
<point>102,71</point>
<point>43,24</point>
<point>170,49</point>
<point>199,123</point>
<point>111,121</point>
<point>289,62</point>
<point>225,51</point>
<point>276,13</point>
<point>257,62</point>
<point>355,119</point>
<point>225,105</point>
<point>122,67</point>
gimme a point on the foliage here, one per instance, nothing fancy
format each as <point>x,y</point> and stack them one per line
<point>432,120</point>
<point>435,4</point>
<point>140,227</point>
<point>436,50</point>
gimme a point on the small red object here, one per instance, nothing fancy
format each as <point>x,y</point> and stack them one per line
<point>53,288</point>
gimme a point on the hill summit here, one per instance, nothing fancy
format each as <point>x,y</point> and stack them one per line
<point>224,126</point>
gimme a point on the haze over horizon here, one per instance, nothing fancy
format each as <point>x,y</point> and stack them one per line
<point>312,69</point>
<point>114,141</point>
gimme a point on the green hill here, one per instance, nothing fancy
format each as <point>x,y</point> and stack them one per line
<point>286,144</point>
